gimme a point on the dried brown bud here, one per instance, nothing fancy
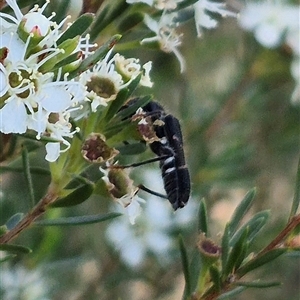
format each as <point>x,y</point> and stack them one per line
<point>208,249</point>
<point>96,150</point>
<point>121,183</point>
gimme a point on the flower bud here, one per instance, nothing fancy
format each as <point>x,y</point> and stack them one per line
<point>34,24</point>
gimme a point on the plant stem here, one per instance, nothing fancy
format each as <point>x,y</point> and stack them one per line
<point>36,212</point>
<point>294,221</point>
<point>276,242</point>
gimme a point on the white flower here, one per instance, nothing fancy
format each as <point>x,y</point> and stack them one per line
<point>130,68</point>
<point>270,21</point>
<point>109,76</point>
<point>23,85</point>
<point>166,35</point>
<point>103,82</point>
<point>202,19</point>
<point>30,97</point>
<point>59,128</point>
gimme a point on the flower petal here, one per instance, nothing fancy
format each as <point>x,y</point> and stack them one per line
<point>55,99</point>
<point>13,117</point>
<point>53,150</point>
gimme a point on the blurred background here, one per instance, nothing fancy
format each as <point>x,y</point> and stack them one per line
<point>241,130</point>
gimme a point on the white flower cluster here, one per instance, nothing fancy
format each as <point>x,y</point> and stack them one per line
<point>273,24</point>
<point>36,94</point>
<point>152,232</point>
<point>165,28</point>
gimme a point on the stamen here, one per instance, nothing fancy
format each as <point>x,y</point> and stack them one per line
<point>41,10</point>
<point>13,4</point>
<point>26,45</point>
<point>180,58</point>
<point>53,14</point>
<point>62,23</point>
<point>54,53</point>
<point>35,8</point>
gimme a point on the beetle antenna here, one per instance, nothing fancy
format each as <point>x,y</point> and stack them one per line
<point>143,188</point>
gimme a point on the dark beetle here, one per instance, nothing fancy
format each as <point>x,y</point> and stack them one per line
<point>169,150</point>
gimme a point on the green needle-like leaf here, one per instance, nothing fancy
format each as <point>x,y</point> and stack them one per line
<point>237,254</point>
<point>77,196</point>
<point>33,170</point>
<point>254,225</point>
<point>116,104</point>
<point>142,101</point>
<point>62,11</point>
<point>130,21</point>
<point>77,28</point>
<point>195,267</point>
<point>26,168</point>
<point>202,217</point>
<point>261,260</point>
<point>258,284</point>
<point>108,14</point>
<point>17,249</point>
<point>122,96</point>
<point>134,84</point>
<point>215,277</point>
<point>225,247</point>
<point>185,267</point>
<point>99,23</point>
<point>241,210</point>
<point>68,60</point>
<point>229,295</point>
<point>296,199</point>
<point>79,220</point>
